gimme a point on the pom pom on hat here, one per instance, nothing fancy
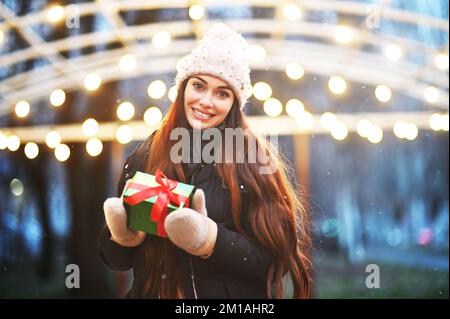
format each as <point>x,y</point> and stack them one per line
<point>221,53</point>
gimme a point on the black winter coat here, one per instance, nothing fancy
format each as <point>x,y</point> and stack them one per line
<point>237,268</point>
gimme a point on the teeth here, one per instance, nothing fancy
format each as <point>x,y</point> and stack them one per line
<point>201,113</point>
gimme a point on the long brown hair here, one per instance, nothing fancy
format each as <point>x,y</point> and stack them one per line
<point>277,216</point>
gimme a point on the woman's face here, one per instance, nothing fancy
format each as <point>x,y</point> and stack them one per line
<point>207,101</point>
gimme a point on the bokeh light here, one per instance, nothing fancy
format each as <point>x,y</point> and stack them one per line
<point>125,111</point>
<point>16,186</point>
<point>31,150</point>
<point>89,127</point>
<point>256,53</point>
<point>294,71</point>
<point>94,146</point>
<point>127,62</point>
<point>57,97</point>
<point>383,93</point>
<point>13,143</point>
<point>294,107</point>
<point>337,85</point>
<point>262,91</point>
<point>152,116</point>
<point>62,152</point>
<point>196,12</point>
<point>156,89</point>
<point>273,107</point>
<point>292,12</point>
<point>22,109</point>
<point>124,134</point>
<point>92,81</point>
<point>304,120</point>
<point>327,120</point>
<point>161,39</point>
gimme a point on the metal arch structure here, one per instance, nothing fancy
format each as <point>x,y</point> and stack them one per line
<point>349,61</point>
<point>263,125</point>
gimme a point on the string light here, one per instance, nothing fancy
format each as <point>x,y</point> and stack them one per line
<point>441,61</point>
<point>256,53</point>
<point>383,93</point>
<point>94,146</point>
<point>393,52</point>
<point>400,129</point>
<point>439,122</point>
<point>127,62</point>
<point>152,116</point>
<point>161,39</point>
<point>124,134</point>
<point>89,127</point>
<point>92,81</point>
<point>262,91</point>
<point>22,109</point>
<point>411,131</point>
<point>343,34</point>
<point>304,120</point>
<point>196,12</point>
<point>294,71</point>
<point>156,89</point>
<point>363,127</point>
<point>62,152</point>
<point>292,12</point>
<point>435,121</point>
<point>57,97</point>
<point>273,107</point>
<point>327,120</point>
<point>53,139</point>
<point>55,13</point>
<point>31,150</point>
<point>294,107</point>
<point>405,130</point>
<point>338,131</point>
<point>431,94</point>
<point>125,111</point>
<point>337,85</point>
<point>13,143</point>
<point>375,134</point>
<point>16,186</point>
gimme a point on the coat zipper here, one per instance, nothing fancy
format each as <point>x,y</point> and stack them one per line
<point>190,258</point>
<point>193,278</point>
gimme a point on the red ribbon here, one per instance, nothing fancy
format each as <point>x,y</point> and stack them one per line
<point>165,195</point>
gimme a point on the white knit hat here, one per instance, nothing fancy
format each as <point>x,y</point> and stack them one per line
<point>221,53</point>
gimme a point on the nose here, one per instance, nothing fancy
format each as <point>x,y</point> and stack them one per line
<point>206,100</point>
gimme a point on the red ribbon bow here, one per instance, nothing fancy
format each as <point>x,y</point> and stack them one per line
<point>166,196</point>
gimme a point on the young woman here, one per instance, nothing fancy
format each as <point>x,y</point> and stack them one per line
<point>246,231</point>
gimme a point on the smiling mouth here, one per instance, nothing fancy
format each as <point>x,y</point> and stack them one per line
<point>202,115</point>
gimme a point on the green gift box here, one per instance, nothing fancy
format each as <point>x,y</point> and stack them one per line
<point>149,198</point>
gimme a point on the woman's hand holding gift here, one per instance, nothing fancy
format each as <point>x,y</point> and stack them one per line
<point>191,229</point>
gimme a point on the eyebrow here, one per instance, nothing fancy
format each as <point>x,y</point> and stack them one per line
<point>220,87</point>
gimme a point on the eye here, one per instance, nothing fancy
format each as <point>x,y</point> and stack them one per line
<point>224,94</point>
<point>197,85</point>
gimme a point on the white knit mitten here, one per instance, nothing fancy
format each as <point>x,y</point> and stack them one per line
<point>116,219</point>
<point>192,229</point>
